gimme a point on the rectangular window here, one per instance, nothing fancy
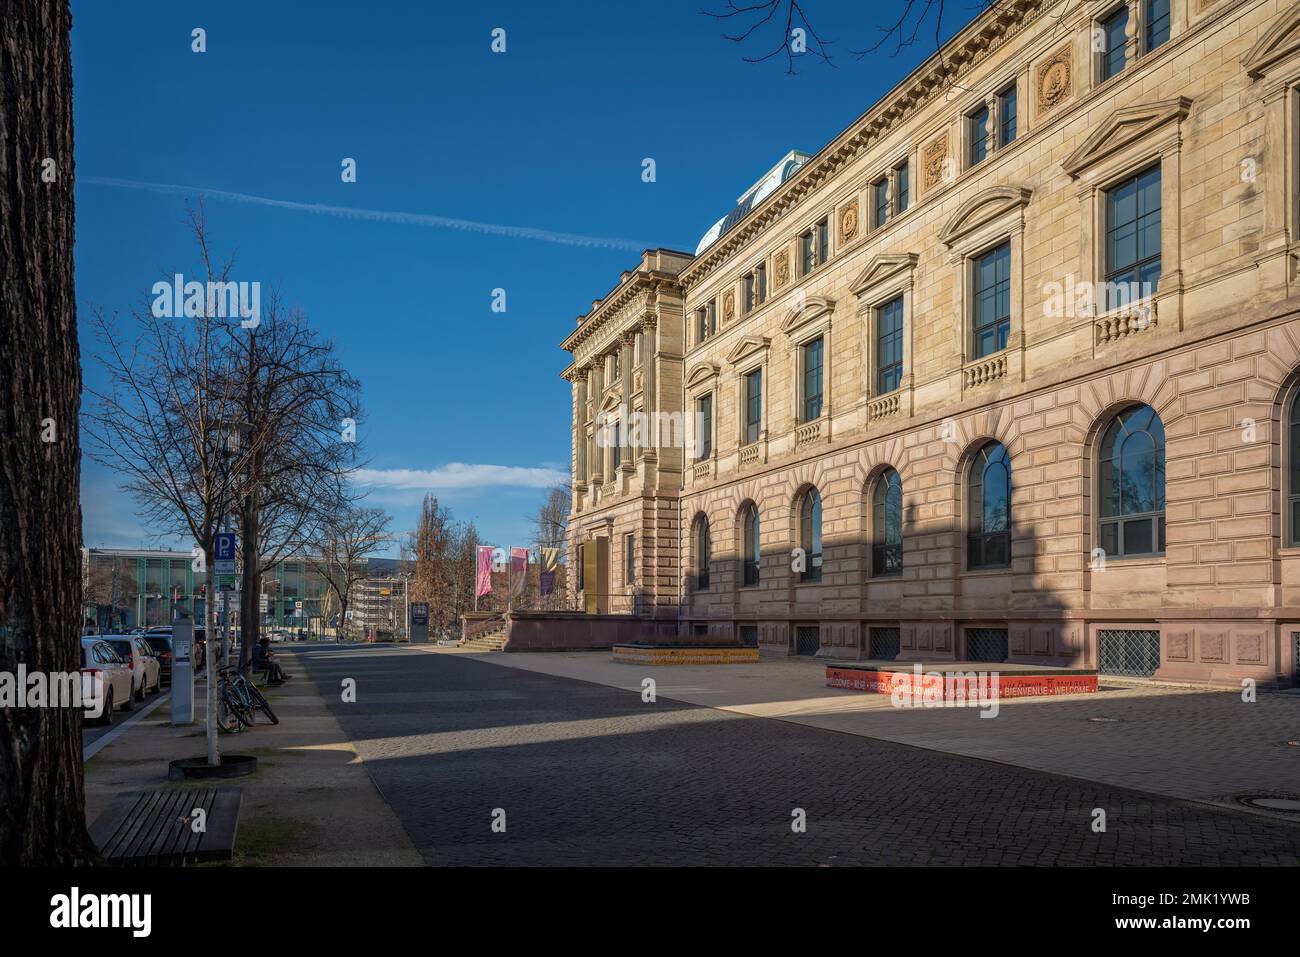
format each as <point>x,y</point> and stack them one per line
<point>889,346</point>
<point>704,422</point>
<point>753,405</point>
<point>629,558</point>
<point>901,187</point>
<point>880,203</point>
<point>1114,52</point>
<point>979,134</point>
<point>1007,116</point>
<point>616,450</point>
<point>812,380</point>
<point>823,241</point>
<point>582,569</point>
<point>1132,239</point>
<point>991,289</point>
<point>1157,23</point>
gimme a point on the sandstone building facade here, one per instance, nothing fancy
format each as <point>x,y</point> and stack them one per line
<point>1006,371</point>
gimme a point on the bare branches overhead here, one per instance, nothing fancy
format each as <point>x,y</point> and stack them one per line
<point>759,16</point>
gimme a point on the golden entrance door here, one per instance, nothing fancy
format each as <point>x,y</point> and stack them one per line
<point>595,575</point>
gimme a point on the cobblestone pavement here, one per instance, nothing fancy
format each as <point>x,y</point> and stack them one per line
<point>590,775</point>
<point>1182,742</point>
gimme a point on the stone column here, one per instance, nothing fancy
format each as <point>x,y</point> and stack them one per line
<point>991,126</point>
<point>625,364</point>
<point>580,427</point>
<point>1131,40</point>
<point>597,374</point>
<point>651,398</point>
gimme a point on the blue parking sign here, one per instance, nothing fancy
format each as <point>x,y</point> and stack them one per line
<point>225,547</point>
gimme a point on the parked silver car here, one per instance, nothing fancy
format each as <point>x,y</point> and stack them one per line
<point>146,671</point>
<point>106,680</point>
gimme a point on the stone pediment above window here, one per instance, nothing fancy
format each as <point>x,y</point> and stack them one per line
<point>984,207</point>
<point>1280,42</point>
<point>701,373</point>
<point>747,347</point>
<point>810,309</point>
<point>611,402</point>
<point>882,269</point>
<point>1125,127</point>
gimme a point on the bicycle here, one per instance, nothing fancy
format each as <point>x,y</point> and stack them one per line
<point>240,701</point>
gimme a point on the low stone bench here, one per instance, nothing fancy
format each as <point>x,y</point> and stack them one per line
<point>156,828</point>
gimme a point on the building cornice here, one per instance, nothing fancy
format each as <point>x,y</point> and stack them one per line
<point>972,46</point>
<point>644,279</point>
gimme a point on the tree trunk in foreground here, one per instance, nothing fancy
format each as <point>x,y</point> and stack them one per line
<point>42,801</point>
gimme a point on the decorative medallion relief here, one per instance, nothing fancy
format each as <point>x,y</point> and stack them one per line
<point>849,221</point>
<point>781,268</point>
<point>934,160</point>
<point>729,305</point>
<point>1055,79</point>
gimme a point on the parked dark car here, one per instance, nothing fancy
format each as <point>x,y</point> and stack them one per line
<point>162,649</point>
<point>160,639</point>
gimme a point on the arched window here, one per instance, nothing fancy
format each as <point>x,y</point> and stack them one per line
<point>702,554</point>
<point>988,509</point>
<point>750,554</point>
<point>1131,484</point>
<point>1293,488</point>
<point>887,525</point>
<point>810,535</point>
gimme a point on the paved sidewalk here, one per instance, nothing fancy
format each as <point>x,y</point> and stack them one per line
<point>310,803</point>
<point>586,774</point>
<point>1187,743</point>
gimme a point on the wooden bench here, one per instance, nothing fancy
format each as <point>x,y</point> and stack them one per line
<point>154,828</point>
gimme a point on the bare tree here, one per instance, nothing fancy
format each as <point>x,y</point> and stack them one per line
<point>464,573</point>
<point>551,524</point>
<point>786,12</point>
<point>110,584</point>
<point>168,425</point>
<point>433,546</point>
<point>918,21</point>
<point>340,545</point>
<point>552,520</point>
<point>42,802</point>
<point>300,408</point>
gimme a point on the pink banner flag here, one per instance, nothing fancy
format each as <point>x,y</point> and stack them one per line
<point>518,570</point>
<point>483,584</point>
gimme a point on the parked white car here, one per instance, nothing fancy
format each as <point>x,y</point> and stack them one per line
<point>106,680</point>
<point>146,671</point>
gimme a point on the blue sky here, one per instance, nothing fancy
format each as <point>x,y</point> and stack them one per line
<point>459,400</point>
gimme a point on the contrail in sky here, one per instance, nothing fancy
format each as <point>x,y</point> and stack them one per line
<point>377,215</point>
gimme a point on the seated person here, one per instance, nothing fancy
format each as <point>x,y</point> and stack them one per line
<point>264,659</point>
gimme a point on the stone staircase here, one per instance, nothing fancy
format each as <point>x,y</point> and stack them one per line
<point>494,639</point>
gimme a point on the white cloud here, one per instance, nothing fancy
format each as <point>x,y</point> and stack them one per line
<point>459,475</point>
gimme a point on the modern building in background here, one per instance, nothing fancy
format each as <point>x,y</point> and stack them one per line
<point>130,588</point>
<point>1006,371</point>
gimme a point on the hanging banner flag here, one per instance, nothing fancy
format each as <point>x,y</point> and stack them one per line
<point>518,570</point>
<point>483,583</point>
<point>547,559</point>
